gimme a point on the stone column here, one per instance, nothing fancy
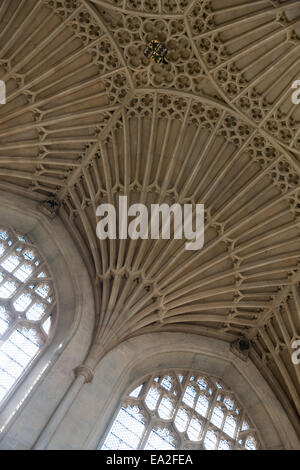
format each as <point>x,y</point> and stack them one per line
<point>83,374</point>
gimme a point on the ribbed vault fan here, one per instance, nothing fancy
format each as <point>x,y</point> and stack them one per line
<point>88,119</point>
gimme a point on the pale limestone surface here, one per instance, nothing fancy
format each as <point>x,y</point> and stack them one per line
<point>88,118</point>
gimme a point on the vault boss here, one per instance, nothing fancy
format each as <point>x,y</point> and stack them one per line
<point>156,52</point>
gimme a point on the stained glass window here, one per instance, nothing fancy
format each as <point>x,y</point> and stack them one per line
<point>27,307</point>
<point>181,410</point>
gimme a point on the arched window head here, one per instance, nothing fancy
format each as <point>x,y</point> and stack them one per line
<point>27,307</point>
<point>181,410</point>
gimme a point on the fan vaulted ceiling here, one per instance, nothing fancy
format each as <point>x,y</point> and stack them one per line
<point>89,117</point>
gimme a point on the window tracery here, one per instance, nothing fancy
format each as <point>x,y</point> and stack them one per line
<point>181,410</point>
<point>27,307</point>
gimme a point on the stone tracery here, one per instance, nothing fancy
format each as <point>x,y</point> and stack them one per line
<point>27,307</point>
<point>181,410</point>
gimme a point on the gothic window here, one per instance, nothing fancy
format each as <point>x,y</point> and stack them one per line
<point>181,410</point>
<point>27,307</point>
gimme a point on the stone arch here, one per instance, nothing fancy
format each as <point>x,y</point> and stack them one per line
<point>75,319</point>
<point>97,403</point>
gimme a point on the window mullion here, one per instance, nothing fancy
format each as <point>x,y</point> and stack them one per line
<point>7,252</point>
<point>203,429</point>
<point>27,336</point>
<point>146,434</point>
<point>208,416</point>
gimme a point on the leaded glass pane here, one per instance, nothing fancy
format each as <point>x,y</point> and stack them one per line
<point>15,355</point>
<point>251,443</point>
<point>190,396</point>
<point>202,405</point>
<point>194,429</point>
<point>192,411</point>
<point>181,420</point>
<point>135,393</point>
<point>210,440</point>
<point>4,320</point>
<point>217,417</point>
<point>20,305</point>
<point>224,445</point>
<point>160,439</point>
<point>126,431</point>
<point>166,408</point>
<point>152,398</point>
